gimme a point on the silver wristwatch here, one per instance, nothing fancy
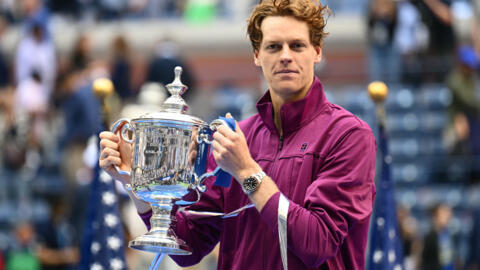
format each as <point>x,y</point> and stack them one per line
<point>251,183</point>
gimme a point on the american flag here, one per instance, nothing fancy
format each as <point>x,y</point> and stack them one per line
<point>103,245</point>
<point>385,252</point>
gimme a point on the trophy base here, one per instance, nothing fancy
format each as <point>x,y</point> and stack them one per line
<point>160,243</point>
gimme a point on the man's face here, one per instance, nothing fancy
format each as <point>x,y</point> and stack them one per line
<point>287,57</point>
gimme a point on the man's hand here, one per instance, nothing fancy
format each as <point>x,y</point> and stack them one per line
<point>231,152</point>
<point>114,151</point>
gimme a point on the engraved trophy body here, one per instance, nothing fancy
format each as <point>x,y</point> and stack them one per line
<point>161,170</point>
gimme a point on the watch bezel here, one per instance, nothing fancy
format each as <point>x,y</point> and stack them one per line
<point>250,184</point>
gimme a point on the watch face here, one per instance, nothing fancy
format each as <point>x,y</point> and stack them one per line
<point>250,184</point>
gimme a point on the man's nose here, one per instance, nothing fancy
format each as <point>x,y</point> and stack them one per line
<point>286,56</point>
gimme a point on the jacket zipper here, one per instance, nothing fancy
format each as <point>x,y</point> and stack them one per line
<point>280,145</point>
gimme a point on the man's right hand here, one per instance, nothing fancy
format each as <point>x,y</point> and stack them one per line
<point>114,151</point>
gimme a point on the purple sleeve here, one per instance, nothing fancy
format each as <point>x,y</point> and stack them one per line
<point>341,196</point>
<point>146,218</point>
<point>201,235</point>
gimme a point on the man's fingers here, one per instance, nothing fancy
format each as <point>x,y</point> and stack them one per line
<point>225,131</point>
<point>218,147</point>
<point>109,136</point>
<point>110,161</point>
<point>109,152</point>
<point>192,155</point>
<point>106,143</point>
<point>220,138</point>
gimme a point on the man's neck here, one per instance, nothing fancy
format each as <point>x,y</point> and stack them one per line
<point>277,116</point>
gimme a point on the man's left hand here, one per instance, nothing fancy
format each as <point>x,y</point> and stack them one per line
<point>231,152</point>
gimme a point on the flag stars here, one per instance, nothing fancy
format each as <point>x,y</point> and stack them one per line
<point>108,198</point>
<point>380,222</point>
<point>96,266</point>
<point>391,256</point>
<point>377,256</point>
<point>105,178</point>
<point>114,242</point>
<point>95,247</point>
<point>111,220</point>
<point>391,234</point>
<point>397,267</point>
<point>116,264</point>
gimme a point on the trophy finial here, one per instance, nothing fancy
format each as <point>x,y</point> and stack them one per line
<point>178,72</point>
<point>177,88</point>
<point>175,102</point>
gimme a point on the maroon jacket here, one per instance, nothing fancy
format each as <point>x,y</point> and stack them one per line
<point>324,165</point>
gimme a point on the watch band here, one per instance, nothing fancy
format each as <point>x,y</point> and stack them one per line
<point>259,177</point>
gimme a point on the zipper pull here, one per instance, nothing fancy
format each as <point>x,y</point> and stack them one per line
<point>280,145</point>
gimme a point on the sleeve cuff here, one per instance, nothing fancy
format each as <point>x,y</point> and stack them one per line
<point>269,212</point>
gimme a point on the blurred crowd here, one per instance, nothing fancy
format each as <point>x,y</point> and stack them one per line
<point>49,113</point>
<point>421,41</point>
<point>413,43</point>
<point>108,10</point>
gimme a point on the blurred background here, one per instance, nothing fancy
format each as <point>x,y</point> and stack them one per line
<point>427,51</point>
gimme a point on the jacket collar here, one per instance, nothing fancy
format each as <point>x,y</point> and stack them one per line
<point>295,114</point>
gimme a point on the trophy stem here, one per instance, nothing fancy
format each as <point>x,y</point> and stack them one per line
<point>161,238</point>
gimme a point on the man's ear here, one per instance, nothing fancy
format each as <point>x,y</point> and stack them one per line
<point>318,52</point>
<point>255,58</point>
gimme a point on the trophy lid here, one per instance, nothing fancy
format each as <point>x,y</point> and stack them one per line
<point>174,108</point>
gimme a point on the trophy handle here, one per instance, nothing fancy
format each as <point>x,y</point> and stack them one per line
<point>124,126</point>
<point>223,178</point>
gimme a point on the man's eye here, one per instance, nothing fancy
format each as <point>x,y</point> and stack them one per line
<point>272,47</point>
<point>297,45</point>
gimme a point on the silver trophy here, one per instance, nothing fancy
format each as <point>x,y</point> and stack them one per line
<point>163,171</point>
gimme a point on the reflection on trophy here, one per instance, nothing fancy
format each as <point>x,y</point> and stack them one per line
<point>161,172</point>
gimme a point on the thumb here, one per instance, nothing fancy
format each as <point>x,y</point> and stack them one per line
<point>228,115</point>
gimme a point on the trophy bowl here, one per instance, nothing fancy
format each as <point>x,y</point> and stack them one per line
<point>162,172</point>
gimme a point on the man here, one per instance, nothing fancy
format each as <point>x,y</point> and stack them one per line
<point>313,152</point>
<point>439,246</point>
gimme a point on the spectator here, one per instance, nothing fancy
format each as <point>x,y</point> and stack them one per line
<point>35,13</point>
<point>408,230</point>
<point>4,67</point>
<point>2,262</point>
<point>411,37</point>
<point>438,58</point>
<point>21,254</point>
<point>463,136</point>
<point>382,20</point>
<point>36,53</point>
<point>167,57</point>
<point>476,24</point>
<point>111,9</point>
<point>70,8</point>
<point>473,261</point>
<point>57,246</point>
<point>439,249</point>
<point>81,53</point>
<point>121,68</point>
